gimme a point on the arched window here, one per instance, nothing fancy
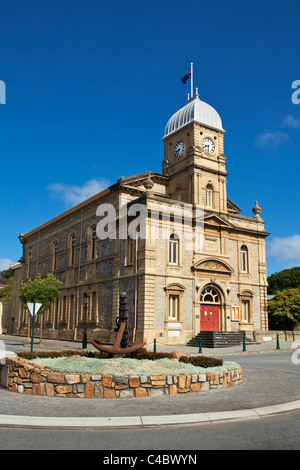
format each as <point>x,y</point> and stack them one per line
<point>178,194</point>
<point>209,295</point>
<point>244,259</point>
<point>209,196</point>
<point>174,249</point>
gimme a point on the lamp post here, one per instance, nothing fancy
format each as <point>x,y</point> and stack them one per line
<point>84,337</point>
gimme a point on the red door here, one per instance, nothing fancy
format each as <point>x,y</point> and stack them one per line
<point>209,317</point>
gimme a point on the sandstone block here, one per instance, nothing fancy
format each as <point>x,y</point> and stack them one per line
<point>159,383</point>
<point>22,372</point>
<point>63,389</point>
<point>98,390</point>
<point>89,390</point>
<point>195,387</point>
<point>41,390</point>
<point>183,390</point>
<point>156,392</point>
<point>140,392</point>
<point>36,378</point>
<point>49,389</point>
<point>56,377</point>
<point>181,380</point>
<point>121,379</point>
<point>157,377</point>
<point>85,378</point>
<point>134,381</point>
<point>178,354</point>
<point>126,393</point>
<point>109,393</point>
<point>107,379</point>
<point>72,379</point>
<point>204,387</point>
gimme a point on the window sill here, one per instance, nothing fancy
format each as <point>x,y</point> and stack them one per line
<point>173,322</point>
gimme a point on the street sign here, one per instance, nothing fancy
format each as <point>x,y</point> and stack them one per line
<point>34,308</point>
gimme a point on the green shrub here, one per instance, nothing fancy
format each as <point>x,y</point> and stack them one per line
<point>198,361</point>
<point>152,356</point>
<point>54,354</point>
<point>202,361</point>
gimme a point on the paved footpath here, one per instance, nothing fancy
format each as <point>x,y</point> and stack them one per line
<point>265,392</point>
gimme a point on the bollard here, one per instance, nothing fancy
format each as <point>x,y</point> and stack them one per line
<point>154,346</point>
<point>277,345</point>
<point>200,346</point>
<point>244,343</point>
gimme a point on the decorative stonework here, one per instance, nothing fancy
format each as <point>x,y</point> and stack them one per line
<point>30,379</point>
<point>213,264</point>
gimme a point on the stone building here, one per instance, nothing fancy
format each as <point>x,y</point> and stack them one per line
<point>201,266</point>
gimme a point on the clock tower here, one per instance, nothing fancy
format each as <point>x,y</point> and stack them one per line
<point>194,156</point>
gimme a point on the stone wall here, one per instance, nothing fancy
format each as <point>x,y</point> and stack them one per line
<point>5,320</point>
<point>30,379</point>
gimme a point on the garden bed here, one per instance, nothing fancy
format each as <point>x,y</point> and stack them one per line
<point>90,377</point>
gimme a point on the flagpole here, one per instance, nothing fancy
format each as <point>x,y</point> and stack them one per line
<point>192,85</point>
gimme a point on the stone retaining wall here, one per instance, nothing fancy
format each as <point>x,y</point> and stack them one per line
<point>30,379</point>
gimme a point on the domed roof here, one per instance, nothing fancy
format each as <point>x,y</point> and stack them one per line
<point>194,111</point>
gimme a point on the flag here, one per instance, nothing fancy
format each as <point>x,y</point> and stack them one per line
<point>186,77</point>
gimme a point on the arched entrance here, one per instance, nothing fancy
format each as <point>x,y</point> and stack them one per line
<point>210,309</point>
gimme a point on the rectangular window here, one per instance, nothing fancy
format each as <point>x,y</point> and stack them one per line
<point>246,311</point>
<point>73,241</point>
<point>28,264</point>
<point>94,307</point>
<point>55,249</point>
<point>94,240</point>
<point>130,251</point>
<point>173,307</point>
<point>71,312</point>
<point>235,313</point>
<point>64,309</point>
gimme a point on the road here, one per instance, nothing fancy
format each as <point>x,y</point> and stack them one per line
<point>273,361</point>
<point>276,433</point>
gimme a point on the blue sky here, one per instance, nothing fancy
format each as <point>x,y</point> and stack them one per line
<point>91,83</point>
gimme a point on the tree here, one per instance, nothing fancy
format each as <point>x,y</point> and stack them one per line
<point>7,273</point>
<point>44,291</point>
<point>284,310</point>
<point>38,290</point>
<point>286,279</point>
<point>6,292</point>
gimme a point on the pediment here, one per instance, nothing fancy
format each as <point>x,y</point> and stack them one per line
<point>213,265</point>
<point>231,207</point>
<point>217,221</point>
<point>138,180</point>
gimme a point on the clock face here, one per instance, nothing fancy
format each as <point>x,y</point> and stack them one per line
<point>208,145</point>
<point>178,151</point>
